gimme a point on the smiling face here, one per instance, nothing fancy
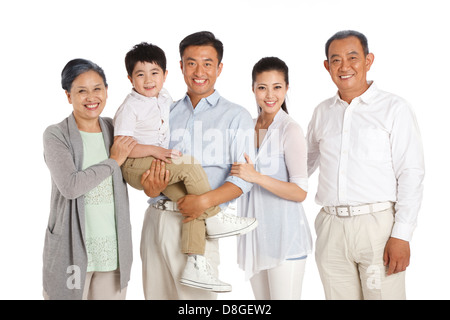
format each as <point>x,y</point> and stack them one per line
<point>200,67</point>
<point>88,96</point>
<point>148,78</point>
<point>348,67</point>
<point>270,90</point>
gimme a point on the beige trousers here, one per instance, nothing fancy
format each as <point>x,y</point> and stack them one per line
<point>186,177</point>
<point>162,261</point>
<point>101,286</point>
<point>349,256</point>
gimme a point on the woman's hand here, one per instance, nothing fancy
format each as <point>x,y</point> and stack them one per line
<point>121,148</point>
<point>245,171</point>
<point>156,179</point>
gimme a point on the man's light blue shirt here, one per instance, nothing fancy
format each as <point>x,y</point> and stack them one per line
<point>217,133</point>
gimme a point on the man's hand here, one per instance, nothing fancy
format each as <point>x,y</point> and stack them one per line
<point>396,255</point>
<point>156,179</point>
<point>192,206</point>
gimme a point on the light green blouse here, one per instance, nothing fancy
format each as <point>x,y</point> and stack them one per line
<point>101,235</point>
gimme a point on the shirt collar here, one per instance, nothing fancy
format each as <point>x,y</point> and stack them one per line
<point>366,97</point>
<point>370,93</point>
<point>139,96</point>
<point>211,99</point>
<point>277,120</point>
<point>281,114</point>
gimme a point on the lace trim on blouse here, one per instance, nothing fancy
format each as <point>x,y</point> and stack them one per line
<point>102,253</point>
<point>101,194</point>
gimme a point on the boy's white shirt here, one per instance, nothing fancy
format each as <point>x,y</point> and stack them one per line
<point>145,118</point>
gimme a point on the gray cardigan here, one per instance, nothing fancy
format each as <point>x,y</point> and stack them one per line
<point>65,257</point>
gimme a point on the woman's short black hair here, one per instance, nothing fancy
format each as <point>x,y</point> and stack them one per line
<point>76,67</point>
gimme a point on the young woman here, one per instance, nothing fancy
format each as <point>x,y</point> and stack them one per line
<point>274,255</point>
<point>87,250</point>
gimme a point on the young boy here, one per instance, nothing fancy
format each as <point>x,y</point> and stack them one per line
<point>144,115</point>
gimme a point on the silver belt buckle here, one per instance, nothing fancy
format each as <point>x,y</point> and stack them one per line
<point>349,211</point>
<point>161,205</point>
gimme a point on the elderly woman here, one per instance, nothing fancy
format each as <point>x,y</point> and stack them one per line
<point>87,250</point>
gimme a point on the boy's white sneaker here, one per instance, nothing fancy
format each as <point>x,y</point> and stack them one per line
<point>198,274</point>
<point>225,225</point>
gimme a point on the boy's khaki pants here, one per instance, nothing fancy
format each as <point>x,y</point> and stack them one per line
<point>186,177</point>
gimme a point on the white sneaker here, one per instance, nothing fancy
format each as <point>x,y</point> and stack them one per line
<point>198,274</point>
<point>226,225</point>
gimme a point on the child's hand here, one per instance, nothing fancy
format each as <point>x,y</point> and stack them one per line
<point>165,155</point>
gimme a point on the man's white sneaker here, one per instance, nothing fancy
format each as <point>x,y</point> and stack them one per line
<point>198,274</point>
<point>225,225</point>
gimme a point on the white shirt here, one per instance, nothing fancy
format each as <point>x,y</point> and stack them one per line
<point>283,230</point>
<point>369,151</point>
<point>145,118</point>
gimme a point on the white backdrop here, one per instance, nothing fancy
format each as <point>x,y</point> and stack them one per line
<point>409,39</point>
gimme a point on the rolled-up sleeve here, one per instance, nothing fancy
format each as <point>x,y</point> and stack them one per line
<point>295,153</point>
<point>241,135</point>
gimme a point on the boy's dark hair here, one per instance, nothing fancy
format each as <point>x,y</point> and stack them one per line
<point>202,38</point>
<point>346,34</point>
<point>74,68</point>
<point>145,52</point>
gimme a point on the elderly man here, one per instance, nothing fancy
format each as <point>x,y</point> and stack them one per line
<point>367,145</point>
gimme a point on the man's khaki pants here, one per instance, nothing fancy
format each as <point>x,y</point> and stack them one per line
<point>349,256</point>
<point>186,177</point>
<point>162,261</point>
